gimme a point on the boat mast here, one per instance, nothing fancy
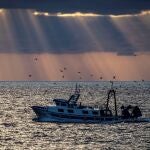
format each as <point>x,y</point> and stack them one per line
<point>111,93</point>
<point>74,98</point>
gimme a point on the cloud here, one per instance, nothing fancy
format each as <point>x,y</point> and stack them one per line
<point>24,31</point>
<point>140,14</point>
<point>59,14</point>
<point>80,14</point>
<point>114,7</point>
<point>126,53</point>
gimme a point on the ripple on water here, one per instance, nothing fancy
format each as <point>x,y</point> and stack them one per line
<point>18,131</point>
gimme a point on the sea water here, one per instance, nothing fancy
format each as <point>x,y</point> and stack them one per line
<point>19,132</point>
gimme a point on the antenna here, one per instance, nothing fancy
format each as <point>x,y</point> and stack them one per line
<point>77,90</point>
<point>112,83</point>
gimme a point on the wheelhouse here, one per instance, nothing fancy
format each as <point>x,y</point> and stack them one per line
<point>60,102</point>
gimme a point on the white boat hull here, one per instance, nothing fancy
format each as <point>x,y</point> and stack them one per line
<point>47,116</point>
<point>60,120</point>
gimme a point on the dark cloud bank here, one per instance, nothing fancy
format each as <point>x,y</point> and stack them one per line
<point>62,35</point>
<point>96,6</point>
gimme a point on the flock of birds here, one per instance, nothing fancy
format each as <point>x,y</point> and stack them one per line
<point>65,68</point>
<point>79,73</point>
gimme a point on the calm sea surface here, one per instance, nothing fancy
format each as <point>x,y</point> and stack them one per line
<point>19,132</point>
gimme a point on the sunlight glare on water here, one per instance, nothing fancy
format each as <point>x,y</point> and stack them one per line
<point>18,131</point>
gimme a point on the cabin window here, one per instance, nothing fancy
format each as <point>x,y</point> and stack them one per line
<point>71,105</point>
<point>102,113</point>
<point>63,104</point>
<point>90,107</point>
<point>109,113</point>
<point>108,119</point>
<point>60,110</point>
<point>85,112</point>
<point>57,103</point>
<point>95,112</point>
<point>70,111</point>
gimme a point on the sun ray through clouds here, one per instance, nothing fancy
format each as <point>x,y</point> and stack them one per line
<point>93,44</point>
<point>83,24</point>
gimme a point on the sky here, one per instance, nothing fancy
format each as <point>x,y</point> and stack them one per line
<point>95,40</point>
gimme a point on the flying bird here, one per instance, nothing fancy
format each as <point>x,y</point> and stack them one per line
<point>114,77</point>
<point>80,77</point>
<point>91,75</point>
<point>30,75</point>
<point>61,70</point>
<point>35,59</point>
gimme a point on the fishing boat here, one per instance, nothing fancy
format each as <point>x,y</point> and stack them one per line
<point>70,111</point>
